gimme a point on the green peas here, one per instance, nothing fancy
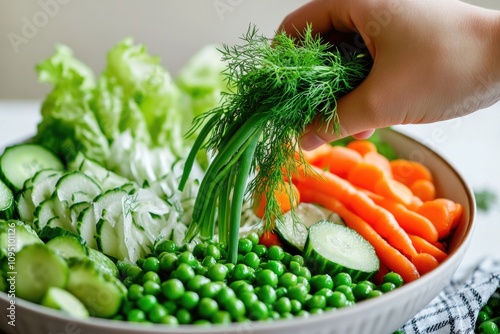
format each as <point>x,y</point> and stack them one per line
<point>151,276</point>
<point>281,291</point>
<point>183,316</point>
<point>283,305</point>
<point>225,295</point>
<point>276,266</point>
<point>319,282</point>
<point>394,278</point>
<point>260,250</point>
<point>172,289</point>
<point>199,249</point>
<point>374,293</point>
<point>304,272</point>
<point>488,327</point>
<point>298,258</point>
<point>135,291</point>
<point>286,259</point>
<point>362,290</point>
<point>342,279</point>
<point>151,264</point>
<point>134,271</point>
<point>251,259</point>
<point>208,261</point>
<point>217,272</point>
<point>298,292</point>
<point>166,246</point>
<point>258,311</point>
<point>266,294</point>
<point>387,287</point>
<point>188,258</point>
<point>241,271</point>
<point>304,281</point>
<point>337,300</point>
<point>151,288</point>
<point>482,316</point>
<point>209,290</point>
<point>195,283</point>
<point>253,237</point>
<point>170,306</point>
<point>266,277</point>
<point>316,301</point>
<point>147,302</point>
<point>294,267</point>
<point>324,292</point>
<point>287,280</point>
<point>207,307</point>
<point>245,246</point>
<point>213,251</point>
<point>248,298</point>
<point>235,307</point>
<point>221,317</point>
<point>275,253</point>
<point>168,262</point>
<point>189,300</point>
<point>136,315</point>
<point>296,306</point>
<point>184,272</point>
<point>157,313</point>
<point>347,291</point>
<point>169,320</point>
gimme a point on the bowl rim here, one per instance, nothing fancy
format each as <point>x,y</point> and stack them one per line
<point>453,259</point>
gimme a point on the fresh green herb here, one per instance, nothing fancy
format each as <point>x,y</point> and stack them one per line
<point>485,199</point>
<point>280,86</point>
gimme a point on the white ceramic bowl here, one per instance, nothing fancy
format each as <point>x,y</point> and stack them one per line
<point>383,314</point>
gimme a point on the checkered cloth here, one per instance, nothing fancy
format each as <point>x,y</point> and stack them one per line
<point>455,309</point>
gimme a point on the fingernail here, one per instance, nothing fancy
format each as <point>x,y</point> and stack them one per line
<point>309,141</point>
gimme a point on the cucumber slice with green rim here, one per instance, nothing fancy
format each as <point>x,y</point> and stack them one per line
<point>18,234</point>
<point>44,184</point>
<point>294,233</point>
<point>103,263</point>
<point>86,226</point>
<point>77,187</point>
<point>107,239</point>
<point>332,248</point>
<point>68,246</point>
<point>20,162</point>
<point>65,301</point>
<point>6,201</point>
<point>39,268</point>
<point>101,294</point>
<point>25,207</point>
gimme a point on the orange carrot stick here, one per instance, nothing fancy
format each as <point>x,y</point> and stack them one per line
<point>379,218</point>
<point>394,190</point>
<point>424,262</point>
<point>365,175</point>
<point>362,146</point>
<point>423,189</point>
<point>287,196</point>
<point>407,171</point>
<point>424,246</point>
<point>318,157</point>
<point>388,255</point>
<point>410,221</point>
<point>439,214</point>
<point>342,159</point>
<point>378,159</point>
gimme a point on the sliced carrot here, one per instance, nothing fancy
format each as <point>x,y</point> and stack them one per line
<point>438,213</point>
<point>365,175</point>
<point>287,197</point>
<point>337,188</point>
<point>362,146</point>
<point>410,221</point>
<point>394,190</point>
<point>407,171</point>
<point>342,159</point>
<point>424,262</point>
<point>388,255</point>
<point>423,189</point>
<point>378,159</point>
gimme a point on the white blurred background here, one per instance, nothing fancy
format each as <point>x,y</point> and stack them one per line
<point>173,30</point>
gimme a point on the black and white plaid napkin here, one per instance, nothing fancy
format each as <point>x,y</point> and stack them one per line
<point>455,309</point>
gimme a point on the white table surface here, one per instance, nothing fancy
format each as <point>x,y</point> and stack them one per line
<point>471,144</point>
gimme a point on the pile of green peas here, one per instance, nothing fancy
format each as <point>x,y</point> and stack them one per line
<point>178,286</point>
<point>488,318</point>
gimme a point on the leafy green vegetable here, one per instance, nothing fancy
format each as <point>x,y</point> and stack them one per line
<point>279,90</point>
<point>485,199</point>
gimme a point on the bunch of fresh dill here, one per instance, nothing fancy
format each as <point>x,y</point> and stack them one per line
<point>278,87</point>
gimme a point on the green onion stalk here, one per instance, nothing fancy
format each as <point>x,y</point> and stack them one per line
<point>277,87</point>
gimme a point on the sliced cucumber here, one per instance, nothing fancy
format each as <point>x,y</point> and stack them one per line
<point>86,226</point>
<point>20,162</point>
<point>25,207</point>
<point>294,232</point>
<point>39,268</point>
<point>6,201</point>
<point>66,302</point>
<point>101,294</point>
<point>75,187</point>
<point>332,248</point>
<point>44,184</point>
<point>102,263</point>
<point>107,239</point>
<point>16,234</point>
<point>68,246</point>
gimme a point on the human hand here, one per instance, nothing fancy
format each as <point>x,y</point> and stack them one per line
<point>432,60</point>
